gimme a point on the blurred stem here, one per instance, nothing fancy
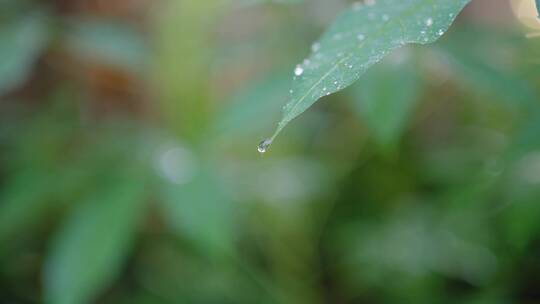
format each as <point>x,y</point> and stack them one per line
<point>182,68</point>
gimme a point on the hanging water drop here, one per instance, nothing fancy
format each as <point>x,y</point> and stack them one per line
<point>429,21</point>
<point>360,37</point>
<point>263,146</point>
<point>315,47</point>
<point>298,70</point>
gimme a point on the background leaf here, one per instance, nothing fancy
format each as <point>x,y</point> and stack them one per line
<point>386,96</point>
<point>92,244</point>
<point>107,42</point>
<point>255,106</point>
<point>492,73</point>
<point>23,199</point>
<point>358,39</point>
<point>21,42</point>
<point>199,209</point>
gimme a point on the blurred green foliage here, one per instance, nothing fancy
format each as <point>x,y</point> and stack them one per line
<point>129,172</point>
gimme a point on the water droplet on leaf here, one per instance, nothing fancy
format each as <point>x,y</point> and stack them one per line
<point>298,70</point>
<point>263,146</point>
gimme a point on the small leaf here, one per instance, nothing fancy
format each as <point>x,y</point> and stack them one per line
<point>358,39</point>
<point>200,211</point>
<point>111,43</point>
<point>386,97</point>
<point>91,246</point>
<point>21,42</point>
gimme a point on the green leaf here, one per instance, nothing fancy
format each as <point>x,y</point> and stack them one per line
<point>107,42</point>
<point>89,250</point>
<point>358,39</point>
<point>489,74</point>
<point>254,106</point>
<point>385,98</point>
<point>23,199</point>
<point>21,42</point>
<point>200,210</point>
